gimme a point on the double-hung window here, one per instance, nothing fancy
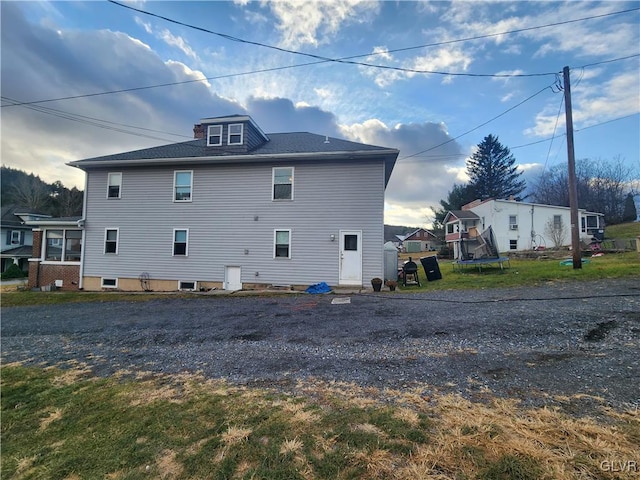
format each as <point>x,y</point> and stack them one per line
<point>63,245</point>
<point>182,185</point>
<point>283,183</point>
<point>282,244</point>
<point>214,135</point>
<point>72,245</point>
<point>114,185</point>
<point>53,249</point>
<point>557,222</point>
<point>513,222</point>
<point>235,134</point>
<point>111,240</point>
<point>180,242</point>
<point>15,237</point>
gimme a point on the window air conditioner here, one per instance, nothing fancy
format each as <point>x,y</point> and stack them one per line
<point>513,226</point>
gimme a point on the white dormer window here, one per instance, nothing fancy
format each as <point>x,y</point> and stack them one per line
<point>214,135</point>
<point>236,134</point>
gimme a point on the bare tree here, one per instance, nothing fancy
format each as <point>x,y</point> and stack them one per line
<point>602,187</point>
<point>30,192</point>
<point>68,203</point>
<point>556,230</point>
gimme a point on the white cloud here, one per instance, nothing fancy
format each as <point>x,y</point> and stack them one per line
<point>143,24</point>
<point>322,92</point>
<point>592,104</point>
<point>416,215</point>
<point>451,59</point>
<point>446,59</point>
<point>184,71</point>
<point>417,182</point>
<point>178,42</point>
<point>79,63</point>
<point>303,22</point>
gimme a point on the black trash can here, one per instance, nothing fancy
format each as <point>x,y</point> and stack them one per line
<point>431,268</point>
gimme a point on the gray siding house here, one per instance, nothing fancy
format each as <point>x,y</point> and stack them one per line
<point>235,208</point>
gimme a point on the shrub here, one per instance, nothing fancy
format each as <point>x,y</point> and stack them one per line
<point>14,271</point>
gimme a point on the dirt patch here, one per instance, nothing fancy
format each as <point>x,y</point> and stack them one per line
<point>599,333</point>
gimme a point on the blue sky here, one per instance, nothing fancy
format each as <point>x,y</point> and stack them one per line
<point>52,50</point>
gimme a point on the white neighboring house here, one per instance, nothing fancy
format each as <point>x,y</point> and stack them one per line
<point>520,226</point>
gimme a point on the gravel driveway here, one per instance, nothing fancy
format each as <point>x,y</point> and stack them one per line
<point>528,343</point>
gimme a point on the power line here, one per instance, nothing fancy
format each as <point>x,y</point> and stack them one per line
<point>90,120</point>
<point>419,155</point>
<point>339,60</point>
<point>479,126</point>
<point>71,117</point>
<point>555,127</point>
<point>349,59</point>
<point>610,61</point>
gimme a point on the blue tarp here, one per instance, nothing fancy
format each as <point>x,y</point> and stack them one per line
<point>321,287</point>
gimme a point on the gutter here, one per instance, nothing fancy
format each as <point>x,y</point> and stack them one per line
<point>258,158</point>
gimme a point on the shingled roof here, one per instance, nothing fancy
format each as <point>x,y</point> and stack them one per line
<point>463,215</point>
<point>279,143</point>
<point>293,146</point>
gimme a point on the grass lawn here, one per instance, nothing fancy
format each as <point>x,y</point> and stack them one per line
<point>65,424</point>
<point>526,272</point>
<point>623,231</point>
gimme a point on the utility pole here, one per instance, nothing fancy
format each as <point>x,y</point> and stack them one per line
<point>573,184</point>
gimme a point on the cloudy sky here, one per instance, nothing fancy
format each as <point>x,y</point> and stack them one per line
<point>431,79</point>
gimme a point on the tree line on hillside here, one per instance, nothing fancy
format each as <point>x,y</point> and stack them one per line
<point>30,192</point>
<point>603,186</point>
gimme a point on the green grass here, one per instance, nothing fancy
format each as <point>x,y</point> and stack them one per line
<point>530,272</point>
<point>66,424</point>
<point>22,298</point>
<point>525,272</point>
<point>629,230</point>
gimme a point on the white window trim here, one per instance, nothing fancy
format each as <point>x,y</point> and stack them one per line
<point>102,285</point>
<point>181,289</point>
<point>104,248</point>
<point>63,248</point>
<point>13,234</point>
<point>241,125</point>
<point>560,221</point>
<point>209,128</point>
<point>275,233</point>
<point>119,185</point>
<point>175,175</point>
<point>273,185</point>
<point>173,242</point>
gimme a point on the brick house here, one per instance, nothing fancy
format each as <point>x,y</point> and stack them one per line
<point>57,253</point>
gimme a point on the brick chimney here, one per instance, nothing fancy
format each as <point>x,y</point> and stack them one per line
<point>198,131</point>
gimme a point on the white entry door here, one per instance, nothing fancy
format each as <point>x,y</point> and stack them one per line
<point>232,278</point>
<point>350,257</point>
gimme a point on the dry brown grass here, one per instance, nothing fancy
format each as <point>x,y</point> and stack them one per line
<point>360,432</point>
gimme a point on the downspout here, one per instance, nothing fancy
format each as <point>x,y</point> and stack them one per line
<point>84,243</point>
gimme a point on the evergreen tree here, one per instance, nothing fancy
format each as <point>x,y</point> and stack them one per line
<point>458,196</point>
<point>492,171</point>
<point>630,213</point>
